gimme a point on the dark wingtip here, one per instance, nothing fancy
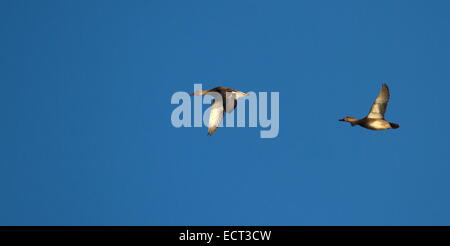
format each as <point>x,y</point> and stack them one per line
<point>211,131</point>
<point>394,126</point>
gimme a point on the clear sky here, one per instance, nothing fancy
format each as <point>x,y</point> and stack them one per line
<point>86,136</point>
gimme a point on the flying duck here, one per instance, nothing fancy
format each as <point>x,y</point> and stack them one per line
<point>375,119</point>
<point>224,98</point>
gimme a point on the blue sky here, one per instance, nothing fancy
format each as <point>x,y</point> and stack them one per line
<point>86,137</point>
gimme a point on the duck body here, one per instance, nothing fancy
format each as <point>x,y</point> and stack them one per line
<point>375,119</point>
<point>375,124</point>
<point>225,100</point>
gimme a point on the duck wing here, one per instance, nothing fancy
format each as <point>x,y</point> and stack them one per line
<point>230,102</point>
<point>215,116</point>
<point>379,106</point>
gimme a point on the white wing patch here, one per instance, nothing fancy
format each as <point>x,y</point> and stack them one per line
<point>215,116</point>
<point>379,106</point>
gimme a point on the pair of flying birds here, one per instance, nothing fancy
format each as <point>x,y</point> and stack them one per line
<point>226,101</point>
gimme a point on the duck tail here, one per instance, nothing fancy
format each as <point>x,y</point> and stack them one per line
<point>394,126</point>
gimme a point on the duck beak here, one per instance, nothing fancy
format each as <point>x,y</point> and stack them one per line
<point>198,93</point>
<point>342,120</point>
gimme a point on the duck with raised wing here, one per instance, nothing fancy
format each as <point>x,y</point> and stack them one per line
<point>225,100</point>
<point>375,119</point>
